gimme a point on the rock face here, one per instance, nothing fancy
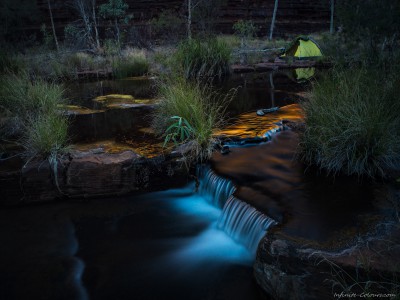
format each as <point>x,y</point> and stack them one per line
<point>91,174</point>
<point>290,269</point>
<point>293,16</point>
<point>334,236</point>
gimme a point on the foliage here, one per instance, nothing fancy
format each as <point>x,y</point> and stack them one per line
<point>48,40</point>
<point>202,108</point>
<point>113,9</point>
<point>25,98</point>
<point>79,61</point>
<point>168,26</point>
<point>209,58</point>
<point>179,131</point>
<point>46,134</point>
<point>116,12</point>
<point>10,63</point>
<point>353,122</point>
<point>245,29</point>
<point>135,64</point>
<point>33,110</point>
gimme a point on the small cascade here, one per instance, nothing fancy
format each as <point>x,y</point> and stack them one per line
<point>244,223</point>
<point>216,190</point>
<point>239,220</point>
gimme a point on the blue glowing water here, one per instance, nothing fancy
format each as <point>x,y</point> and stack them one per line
<point>243,223</point>
<point>216,190</point>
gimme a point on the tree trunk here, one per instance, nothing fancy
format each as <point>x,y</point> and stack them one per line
<point>332,13</point>
<point>95,24</point>
<point>271,30</point>
<point>189,20</point>
<point>118,34</point>
<point>52,26</point>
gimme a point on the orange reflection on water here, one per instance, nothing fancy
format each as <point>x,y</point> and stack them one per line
<point>248,125</point>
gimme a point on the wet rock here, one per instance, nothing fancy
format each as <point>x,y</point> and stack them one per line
<point>296,125</point>
<point>287,268</point>
<point>88,174</point>
<point>42,182</point>
<point>99,174</point>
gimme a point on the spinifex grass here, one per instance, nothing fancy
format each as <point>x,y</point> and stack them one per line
<point>46,135</point>
<point>353,123</point>
<point>34,115</point>
<point>199,59</point>
<point>135,64</point>
<point>24,98</point>
<point>201,107</point>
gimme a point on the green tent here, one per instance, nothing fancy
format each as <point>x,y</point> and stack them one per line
<point>303,48</point>
<point>303,74</point>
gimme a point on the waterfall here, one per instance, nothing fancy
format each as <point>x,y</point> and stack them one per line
<point>244,223</point>
<point>239,220</point>
<point>216,190</point>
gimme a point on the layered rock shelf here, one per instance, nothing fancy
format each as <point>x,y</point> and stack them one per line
<point>293,16</point>
<point>90,174</point>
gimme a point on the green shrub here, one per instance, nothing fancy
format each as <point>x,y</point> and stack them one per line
<point>135,64</point>
<point>353,122</point>
<point>197,59</point>
<point>244,29</point>
<point>168,26</point>
<point>202,109</point>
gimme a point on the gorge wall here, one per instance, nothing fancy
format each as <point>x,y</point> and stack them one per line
<point>293,16</point>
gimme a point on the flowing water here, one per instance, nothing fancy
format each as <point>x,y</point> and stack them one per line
<point>176,244</point>
<point>197,242</point>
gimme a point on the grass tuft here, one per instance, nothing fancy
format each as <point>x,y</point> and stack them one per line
<point>46,135</point>
<point>196,103</point>
<point>134,64</point>
<point>33,115</point>
<point>197,59</point>
<point>353,123</point>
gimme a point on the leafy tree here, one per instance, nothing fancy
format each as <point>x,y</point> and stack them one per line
<point>116,12</point>
<point>245,29</point>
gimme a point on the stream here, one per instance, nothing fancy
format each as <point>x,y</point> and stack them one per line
<point>196,242</point>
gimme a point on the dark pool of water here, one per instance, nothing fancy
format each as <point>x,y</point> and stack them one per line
<point>253,91</point>
<point>82,93</point>
<point>156,246</point>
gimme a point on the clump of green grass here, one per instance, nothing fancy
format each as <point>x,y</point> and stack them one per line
<point>201,109</point>
<point>198,59</point>
<point>33,114</point>
<point>134,64</point>
<point>46,135</point>
<point>10,63</point>
<point>79,61</point>
<point>353,123</point>
<point>24,98</point>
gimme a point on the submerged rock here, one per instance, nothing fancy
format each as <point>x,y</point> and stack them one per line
<point>121,101</point>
